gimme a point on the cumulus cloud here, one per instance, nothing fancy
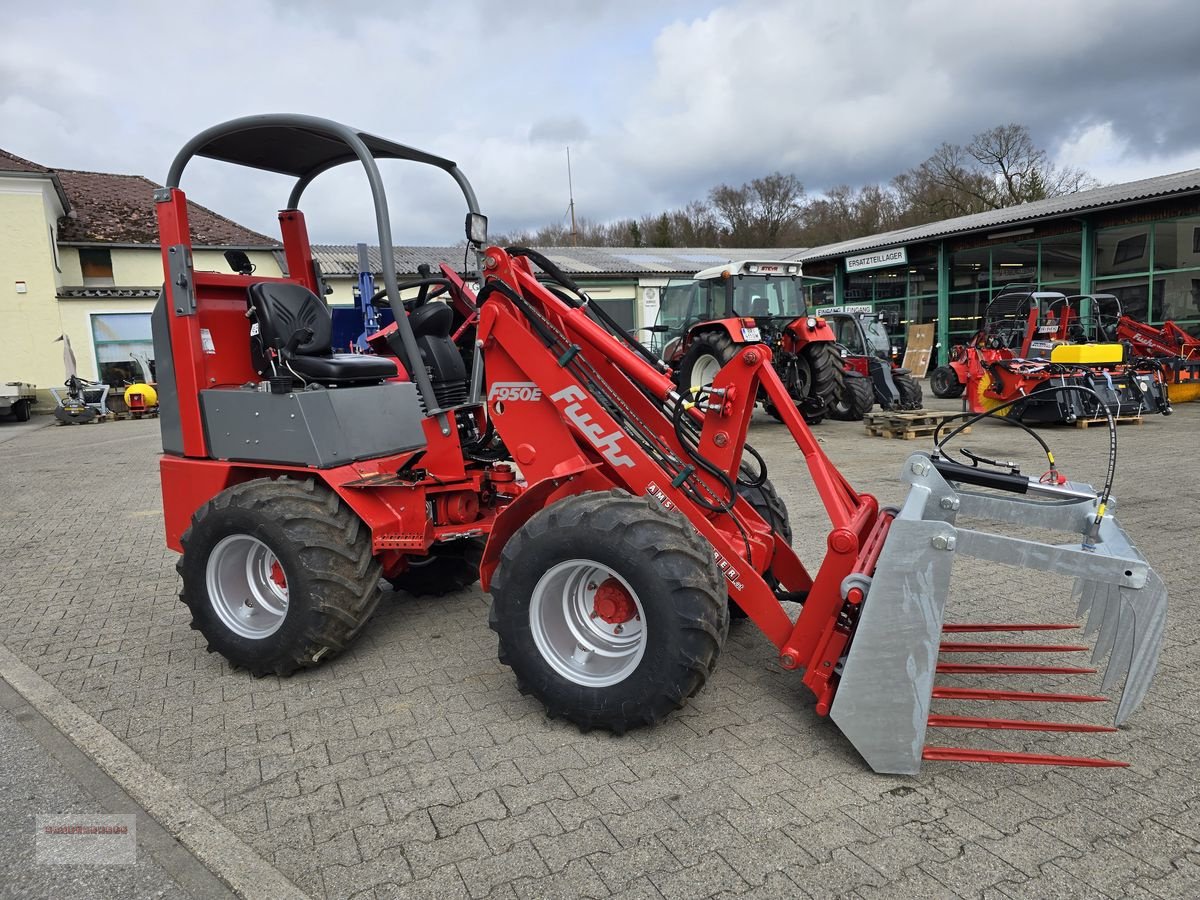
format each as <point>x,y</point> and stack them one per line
<point>659,101</point>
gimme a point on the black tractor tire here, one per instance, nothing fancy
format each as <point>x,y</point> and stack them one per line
<point>715,344</point>
<point>324,552</point>
<point>944,383</point>
<point>856,399</point>
<point>910,391</point>
<point>20,410</point>
<point>449,567</point>
<point>768,504</point>
<point>669,569</point>
<point>825,363</point>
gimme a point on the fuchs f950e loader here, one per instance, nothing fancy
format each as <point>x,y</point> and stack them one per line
<point>613,519</point>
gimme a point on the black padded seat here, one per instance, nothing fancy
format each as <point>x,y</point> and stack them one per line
<point>343,368</point>
<point>282,309</point>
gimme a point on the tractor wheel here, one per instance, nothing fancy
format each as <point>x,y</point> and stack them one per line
<point>709,352</point>
<point>856,399</point>
<point>20,410</point>
<point>449,568</point>
<point>278,574</point>
<point>768,504</point>
<point>825,364</point>
<point>944,383</point>
<point>609,609</point>
<point>910,391</point>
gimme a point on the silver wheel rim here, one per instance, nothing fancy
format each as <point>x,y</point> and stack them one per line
<point>705,370</point>
<point>244,578</point>
<point>577,643</point>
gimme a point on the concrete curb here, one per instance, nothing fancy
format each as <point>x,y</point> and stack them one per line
<point>225,854</point>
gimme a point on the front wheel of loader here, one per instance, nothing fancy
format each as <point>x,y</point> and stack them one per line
<point>278,574</point>
<point>770,506</point>
<point>944,383</point>
<point>609,609</point>
<point>448,568</point>
<point>909,390</point>
<point>855,400</point>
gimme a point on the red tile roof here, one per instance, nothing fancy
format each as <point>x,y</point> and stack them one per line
<point>119,209</point>
<point>10,162</point>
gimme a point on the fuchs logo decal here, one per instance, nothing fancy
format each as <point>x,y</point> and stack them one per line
<point>515,390</point>
<point>730,573</point>
<point>605,443</point>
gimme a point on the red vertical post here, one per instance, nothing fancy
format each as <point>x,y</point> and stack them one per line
<point>186,348</point>
<point>297,250</point>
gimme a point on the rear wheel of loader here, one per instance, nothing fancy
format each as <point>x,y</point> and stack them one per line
<point>768,504</point>
<point>709,353</point>
<point>910,391</point>
<point>609,609</point>
<point>450,567</point>
<point>944,383</point>
<point>855,400</point>
<point>278,574</point>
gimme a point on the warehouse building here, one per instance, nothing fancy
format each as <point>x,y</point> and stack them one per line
<point>1139,241</point>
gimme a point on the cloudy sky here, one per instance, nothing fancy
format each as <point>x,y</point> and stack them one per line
<point>659,100</point>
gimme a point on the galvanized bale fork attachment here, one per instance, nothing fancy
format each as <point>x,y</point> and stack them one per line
<point>889,676</point>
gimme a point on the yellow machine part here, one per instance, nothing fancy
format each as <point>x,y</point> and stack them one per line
<point>1183,392</point>
<point>984,400</point>
<point>149,395</point>
<point>1088,354</point>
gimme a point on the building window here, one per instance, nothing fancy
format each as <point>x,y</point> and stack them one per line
<point>120,339</point>
<point>623,311</point>
<point>96,265</point>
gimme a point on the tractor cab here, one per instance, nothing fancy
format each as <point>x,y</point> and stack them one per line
<point>703,321</point>
<point>767,292</point>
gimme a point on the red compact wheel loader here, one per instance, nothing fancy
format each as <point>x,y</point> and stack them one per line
<point>614,521</point>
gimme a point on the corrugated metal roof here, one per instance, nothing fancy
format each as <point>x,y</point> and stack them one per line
<point>342,259</point>
<point>1055,207</point>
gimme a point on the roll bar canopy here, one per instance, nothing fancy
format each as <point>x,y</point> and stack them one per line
<point>306,146</point>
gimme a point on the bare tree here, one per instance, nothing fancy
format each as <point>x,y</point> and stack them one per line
<point>1000,167</point>
<point>760,212</point>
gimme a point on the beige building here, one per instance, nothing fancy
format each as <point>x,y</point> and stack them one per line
<point>79,257</point>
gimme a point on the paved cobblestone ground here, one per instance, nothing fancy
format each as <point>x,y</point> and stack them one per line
<point>411,766</point>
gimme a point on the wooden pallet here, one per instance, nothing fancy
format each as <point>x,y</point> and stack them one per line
<point>910,424</point>
<point>1120,420</point>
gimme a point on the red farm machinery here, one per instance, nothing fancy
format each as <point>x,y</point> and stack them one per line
<point>1044,357</point>
<point>615,519</point>
<point>704,321</point>
<point>1176,352</point>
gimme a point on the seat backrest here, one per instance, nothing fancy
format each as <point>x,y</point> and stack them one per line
<point>760,307</point>
<point>281,309</point>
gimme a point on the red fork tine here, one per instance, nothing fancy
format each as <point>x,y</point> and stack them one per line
<point>998,669</point>
<point>951,693</point>
<point>961,647</point>
<point>937,721</point>
<point>1005,626</point>
<point>962,754</point>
